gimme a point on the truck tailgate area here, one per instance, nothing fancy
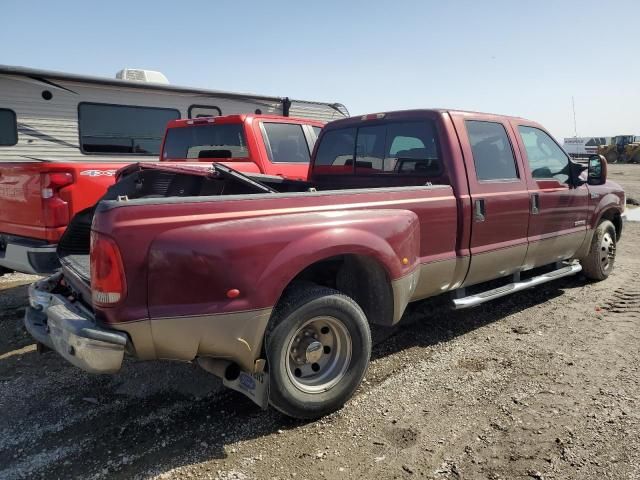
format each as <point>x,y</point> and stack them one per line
<point>75,244</point>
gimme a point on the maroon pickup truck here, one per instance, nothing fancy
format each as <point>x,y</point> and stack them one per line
<point>272,283</point>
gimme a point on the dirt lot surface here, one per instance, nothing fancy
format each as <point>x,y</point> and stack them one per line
<point>542,384</point>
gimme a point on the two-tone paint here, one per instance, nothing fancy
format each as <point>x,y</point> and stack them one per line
<point>182,255</point>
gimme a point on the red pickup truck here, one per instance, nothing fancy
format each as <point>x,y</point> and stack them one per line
<point>273,284</point>
<point>266,144</point>
<point>37,199</point>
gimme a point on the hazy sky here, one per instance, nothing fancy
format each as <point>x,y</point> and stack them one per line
<point>519,58</point>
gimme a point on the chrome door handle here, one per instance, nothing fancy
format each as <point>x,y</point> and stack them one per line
<point>479,211</point>
<point>535,204</point>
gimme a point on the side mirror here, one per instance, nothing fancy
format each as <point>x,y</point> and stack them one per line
<point>597,172</point>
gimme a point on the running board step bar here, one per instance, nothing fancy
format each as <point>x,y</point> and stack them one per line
<point>473,300</point>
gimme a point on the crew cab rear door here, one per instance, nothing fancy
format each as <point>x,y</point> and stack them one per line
<point>499,196</point>
<point>558,221</point>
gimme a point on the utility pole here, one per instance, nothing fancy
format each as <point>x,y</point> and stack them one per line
<point>575,125</point>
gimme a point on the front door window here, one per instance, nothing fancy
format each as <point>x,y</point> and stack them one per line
<point>546,159</point>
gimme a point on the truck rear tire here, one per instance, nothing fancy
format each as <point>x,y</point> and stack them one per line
<point>598,264</point>
<point>318,347</point>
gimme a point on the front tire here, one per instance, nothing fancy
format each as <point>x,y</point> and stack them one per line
<point>318,348</point>
<point>598,264</point>
<point>612,157</point>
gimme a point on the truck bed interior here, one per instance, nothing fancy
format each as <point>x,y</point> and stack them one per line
<point>73,248</point>
<point>144,182</point>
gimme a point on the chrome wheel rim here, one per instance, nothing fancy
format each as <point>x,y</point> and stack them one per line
<point>318,354</point>
<point>607,251</point>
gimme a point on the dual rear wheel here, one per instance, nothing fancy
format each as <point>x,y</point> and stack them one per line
<point>318,350</point>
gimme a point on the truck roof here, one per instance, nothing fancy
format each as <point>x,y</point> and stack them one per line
<point>240,118</point>
<point>401,114</point>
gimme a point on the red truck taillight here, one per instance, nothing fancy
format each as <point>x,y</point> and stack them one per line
<point>56,209</point>
<point>108,284</point>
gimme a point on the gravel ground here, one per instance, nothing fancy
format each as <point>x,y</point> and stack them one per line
<point>542,384</point>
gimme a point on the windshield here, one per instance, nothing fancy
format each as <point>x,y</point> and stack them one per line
<point>205,141</point>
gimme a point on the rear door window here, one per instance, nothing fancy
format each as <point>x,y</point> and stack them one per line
<point>206,141</point>
<point>8,128</point>
<point>492,152</point>
<point>286,142</point>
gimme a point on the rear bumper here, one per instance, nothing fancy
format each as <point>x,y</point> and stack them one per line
<point>27,255</point>
<point>72,332</point>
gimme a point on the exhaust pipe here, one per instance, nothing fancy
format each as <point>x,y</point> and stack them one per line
<point>255,386</point>
<point>224,369</point>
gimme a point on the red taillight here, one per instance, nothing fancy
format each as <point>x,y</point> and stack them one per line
<point>108,284</point>
<point>54,181</point>
<point>56,209</point>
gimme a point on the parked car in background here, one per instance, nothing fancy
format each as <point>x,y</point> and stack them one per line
<point>273,284</point>
<point>267,144</point>
<point>63,136</point>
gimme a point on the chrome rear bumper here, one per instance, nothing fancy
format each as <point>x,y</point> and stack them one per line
<point>72,332</point>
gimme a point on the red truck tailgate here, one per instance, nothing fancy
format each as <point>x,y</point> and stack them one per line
<point>37,200</point>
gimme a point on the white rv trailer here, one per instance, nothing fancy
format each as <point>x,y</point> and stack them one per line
<point>53,116</point>
<point>584,147</point>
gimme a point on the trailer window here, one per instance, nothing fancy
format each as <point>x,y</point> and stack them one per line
<point>8,128</point>
<point>492,153</point>
<point>205,141</point>
<point>122,129</point>
<point>200,111</point>
<point>285,142</point>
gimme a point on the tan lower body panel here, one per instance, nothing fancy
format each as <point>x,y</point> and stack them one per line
<point>234,336</point>
<point>495,264</point>
<point>428,280</point>
<point>140,334</point>
<point>553,249</point>
<point>403,289</point>
<point>439,277</point>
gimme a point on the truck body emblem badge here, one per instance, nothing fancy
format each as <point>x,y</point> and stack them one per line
<point>98,173</point>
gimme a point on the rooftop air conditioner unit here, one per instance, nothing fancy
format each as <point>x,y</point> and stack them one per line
<point>139,75</point>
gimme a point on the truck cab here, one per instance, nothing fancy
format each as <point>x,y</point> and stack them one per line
<point>264,144</point>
